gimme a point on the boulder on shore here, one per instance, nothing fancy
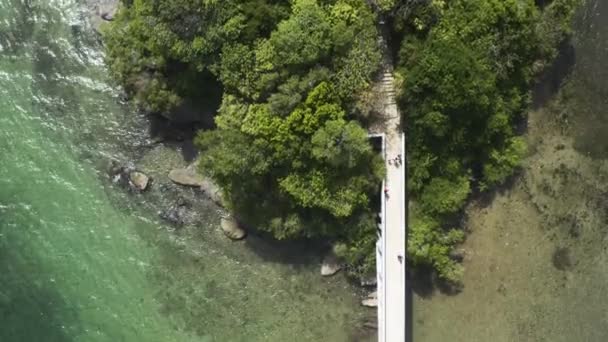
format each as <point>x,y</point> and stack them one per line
<point>371,301</point>
<point>126,176</point>
<point>139,180</point>
<point>330,265</point>
<point>188,177</point>
<point>231,228</point>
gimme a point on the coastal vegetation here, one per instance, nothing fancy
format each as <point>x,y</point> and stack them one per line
<point>466,68</point>
<point>289,149</point>
<point>293,82</point>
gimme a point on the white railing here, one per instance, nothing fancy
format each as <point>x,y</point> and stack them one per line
<point>381,245</point>
<point>404,231</point>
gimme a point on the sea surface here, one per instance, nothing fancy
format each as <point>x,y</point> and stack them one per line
<point>536,256</point>
<point>82,259</point>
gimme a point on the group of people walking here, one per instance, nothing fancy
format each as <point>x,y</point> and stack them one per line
<point>397,161</point>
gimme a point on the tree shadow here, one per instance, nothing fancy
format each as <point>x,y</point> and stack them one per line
<point>177,135</point>
<point>297,252</point>
<point>424,282</point>
<point>483,199</point>
<point>409,308</point>
<point>550,81</point>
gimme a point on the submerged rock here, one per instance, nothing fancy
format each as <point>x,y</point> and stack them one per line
<point>188,177</point>
<point>330,265</point>
<point>126,176</point>
<point>231,228</point>
<point>114,168</point>
<point>561,258</point>
<point>119,174</point>
<point>179,213</point>
<point>139,180</point>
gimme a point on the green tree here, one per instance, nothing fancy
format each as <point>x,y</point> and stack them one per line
<point>158,50</point>
<point>467,66</point>
<point>430,244</point>
<point>165,53</point>
<point>313,165</point>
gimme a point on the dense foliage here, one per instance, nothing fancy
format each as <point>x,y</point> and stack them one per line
<point>293,80</point>
<point>167,53</point>
<point>288,151</point>
<point>466,67</point>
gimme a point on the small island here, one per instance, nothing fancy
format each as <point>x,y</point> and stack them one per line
<point>284,94</point>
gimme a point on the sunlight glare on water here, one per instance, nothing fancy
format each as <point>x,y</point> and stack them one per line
<point>79,259</point>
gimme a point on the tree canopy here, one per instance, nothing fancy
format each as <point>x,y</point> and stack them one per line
<point>466,67</point>
<point>289,85</point>
<point>168,52</point>
<point>288,151</point>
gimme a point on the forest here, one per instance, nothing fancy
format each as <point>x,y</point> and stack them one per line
<point>289,84</point>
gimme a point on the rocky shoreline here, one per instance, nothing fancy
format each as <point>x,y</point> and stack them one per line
<point>188,188</point>
<point>181,197</point>
<point>162,175</point>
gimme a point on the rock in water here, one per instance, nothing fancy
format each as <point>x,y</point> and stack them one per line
<point>179,213</point>
<point>139,180</point>
<point>330,265</point>
<point>187,177</point>
<point>190,177</point>
<point>370,302</point>
<point>107,16</point>
<point>102,10</point>
<point>231,228</point>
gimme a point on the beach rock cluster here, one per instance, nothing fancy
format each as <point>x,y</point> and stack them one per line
<point>128,177</point>
<point>180,212</point>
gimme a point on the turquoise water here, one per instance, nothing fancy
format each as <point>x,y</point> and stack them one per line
<point>83,261</point>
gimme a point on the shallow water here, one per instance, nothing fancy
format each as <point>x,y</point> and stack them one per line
<point>536,257</point>
<point>81,260</point>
